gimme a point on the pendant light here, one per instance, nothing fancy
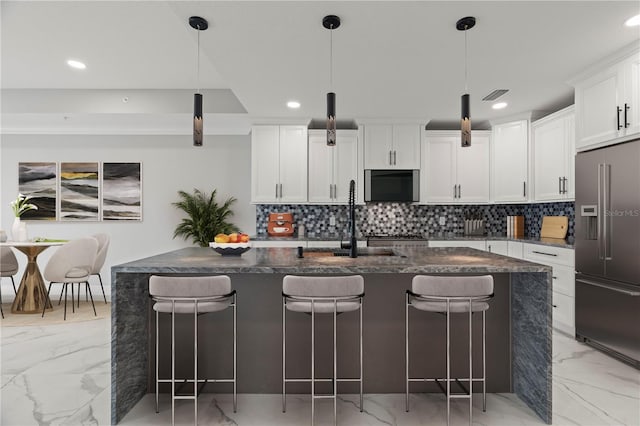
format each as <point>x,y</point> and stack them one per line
<point>199,24</point>
<point>331,22</point>
<point>465,24</point>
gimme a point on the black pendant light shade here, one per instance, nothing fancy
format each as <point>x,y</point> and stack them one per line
<point>197,119</point>
<point>465,123</point>
<point>198,24</point>
<point>465,24</point>
<point>331,22</point>
<point>331,119</point>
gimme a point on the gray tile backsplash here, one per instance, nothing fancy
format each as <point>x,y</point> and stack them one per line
<point>405,218</point>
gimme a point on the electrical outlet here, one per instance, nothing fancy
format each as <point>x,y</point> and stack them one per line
<point>442,220</point>
<point>332,221</point>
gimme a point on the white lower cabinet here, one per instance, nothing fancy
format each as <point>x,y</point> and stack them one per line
<point>498,247</point>
<point>479,245</point>
<point>562,262</point>
<point>515,249</point>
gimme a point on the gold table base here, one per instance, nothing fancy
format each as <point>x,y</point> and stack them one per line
<point>32,293</point>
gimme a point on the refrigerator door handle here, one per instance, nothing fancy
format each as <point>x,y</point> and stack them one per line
<point>600,213</point>
<point>609,287</point>
<point>606,218</point>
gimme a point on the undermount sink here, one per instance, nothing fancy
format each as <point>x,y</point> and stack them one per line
<point>362,251</point>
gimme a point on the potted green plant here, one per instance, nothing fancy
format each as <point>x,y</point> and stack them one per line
<point>205,218</point>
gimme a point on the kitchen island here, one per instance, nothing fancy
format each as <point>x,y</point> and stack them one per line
<point>518,323</point>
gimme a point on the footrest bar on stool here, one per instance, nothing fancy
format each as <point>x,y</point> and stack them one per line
<point>462,386</point>
<point>323,396</point>
<point>466,394</point>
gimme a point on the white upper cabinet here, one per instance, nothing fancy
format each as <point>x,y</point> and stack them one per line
<point>553,144</point>
<point>279,164</point>
<point>392,146</point>
<point>331,168</point>
<point>451,173</point>
<point>608,102</point>
<point>509,154</point>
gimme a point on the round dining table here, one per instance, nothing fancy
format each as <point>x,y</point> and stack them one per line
<point>32,295</point>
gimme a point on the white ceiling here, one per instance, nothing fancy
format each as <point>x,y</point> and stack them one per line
<point>392,59</point>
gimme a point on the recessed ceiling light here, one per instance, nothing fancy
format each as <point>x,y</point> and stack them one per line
<point>76,64</point>
<point>499,105</point>
<point>634,21</point>
<point>293,104</point>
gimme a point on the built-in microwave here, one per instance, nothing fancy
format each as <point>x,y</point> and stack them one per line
<point>392,185</point>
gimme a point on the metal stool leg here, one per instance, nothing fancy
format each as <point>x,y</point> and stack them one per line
<point>102,287</point>
<point>448,368</point>
<point>406,352</point>
<point>361,369</point>
<point>484,365</point>
<point>173,363</point>
<point>470,365</point>
<point>313,362</point>
<point>14,285</point>
<point>157,359</point>
<point>235,352</point>
<point>335,364</point>
<point>195,363</point>
<point>284,355</point>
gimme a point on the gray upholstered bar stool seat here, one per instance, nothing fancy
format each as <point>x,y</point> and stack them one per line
<point>321,295</point>
<point>447,295</point>
<point>191,295</point>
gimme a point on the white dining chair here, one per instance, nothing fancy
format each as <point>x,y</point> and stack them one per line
<point>72,263</point>
<point>8,268</point>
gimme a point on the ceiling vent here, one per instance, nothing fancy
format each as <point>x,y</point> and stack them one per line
<point>495,94</point>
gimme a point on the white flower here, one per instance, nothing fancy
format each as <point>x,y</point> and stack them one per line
<point>20,205</point>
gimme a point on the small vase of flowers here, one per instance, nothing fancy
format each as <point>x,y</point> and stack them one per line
<point>19,206</point>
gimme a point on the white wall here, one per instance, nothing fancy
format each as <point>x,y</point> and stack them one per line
<point>169,164</point>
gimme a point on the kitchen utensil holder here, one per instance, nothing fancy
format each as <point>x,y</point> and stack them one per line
<point>474,227</point>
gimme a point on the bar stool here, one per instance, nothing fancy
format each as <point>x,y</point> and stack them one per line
<point>194,295</point>
<point>321,295</point>
<point>447,295</point>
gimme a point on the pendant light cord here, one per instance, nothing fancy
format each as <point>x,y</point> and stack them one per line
<point>331,58</point>
<point>466,88</point>
<point>198,62</point>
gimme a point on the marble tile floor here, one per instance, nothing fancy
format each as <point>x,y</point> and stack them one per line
<point>59,375</point>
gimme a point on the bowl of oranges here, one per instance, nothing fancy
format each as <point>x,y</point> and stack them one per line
<point>233,244</point>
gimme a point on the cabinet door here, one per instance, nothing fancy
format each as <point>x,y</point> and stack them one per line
<point>498,247</point>
<point>265,159</point>
<point>406,146</point>
<point>437,176</point>
<point>293,164</point>
<point>596,108</point>
<point>321,168</point>
<point>632,95</point>
<point>550,160</point>
<point>472,170</point>
<point>509,161</point>
<point>378,146</point>
<point>345,166</point>
<point>515,249</point>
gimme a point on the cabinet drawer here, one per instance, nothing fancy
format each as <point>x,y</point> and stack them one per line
<point>563,313</point>
<point>548,255</point>
<point>564,280</point>
<point>515,249</point>
<point>498,247</point>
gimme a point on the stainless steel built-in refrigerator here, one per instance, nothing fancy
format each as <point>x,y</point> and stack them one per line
<point>607,247</point>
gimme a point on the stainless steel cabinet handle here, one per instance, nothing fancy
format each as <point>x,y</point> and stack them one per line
<point>280,190</point>
<point>455,193</point>
<point>564,185</point>
<point>618,111</point>
<point>559,185</point>
<point>276,190</point>
<point>335,191</point>
<point>626,109</point>
<point>524,189</point>
<point>459,191</point>
<point>390,158</point>
<point>395,157</point>
<point>541,252</point>
<point>609,287</point>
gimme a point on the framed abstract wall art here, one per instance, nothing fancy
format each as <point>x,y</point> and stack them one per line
<point>122,191</point>
<point>39,180</point>
<point>79,191</point>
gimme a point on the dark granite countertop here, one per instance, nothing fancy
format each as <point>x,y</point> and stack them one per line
<point>283,260</point>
